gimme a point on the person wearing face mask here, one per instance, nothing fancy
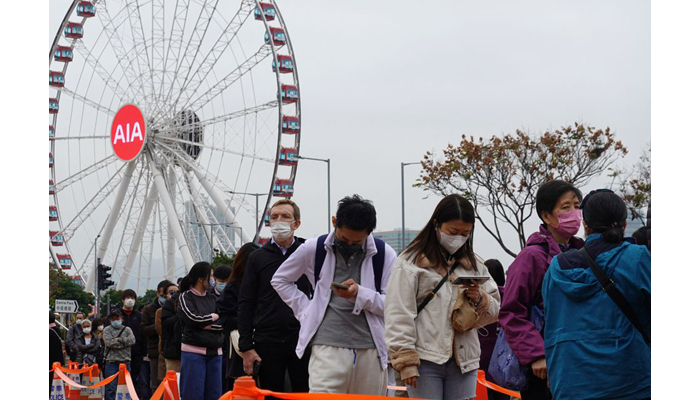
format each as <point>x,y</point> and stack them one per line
<point>221,274</point>
<point>586,331</point>
<point>267,327</point>
<point>132,319</point>
<point>72,336</point>
<point>119,339</point>
<point>557,204</point>
<point>170,291</point>
<point>343,323</point>
<point>97,329</point>
<point>202,336</point>
<point>436,351</point>
<point>88,345</point>
<point>149,333</point>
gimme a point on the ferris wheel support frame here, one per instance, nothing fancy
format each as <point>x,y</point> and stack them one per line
<point>138,235</point>
<point>173,221</point>
<point>170,252</point>
<point>112,219</point>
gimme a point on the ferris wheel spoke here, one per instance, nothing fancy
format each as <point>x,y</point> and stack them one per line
<point>191,49</point>
<point>158,51</point>
<point>81,137</point>
<point>137,239</point>
<point>91,206</point>
<point>87,101</point>
<point>85,172</point>
<point>231,78</point>
<point>206,146</point>
<point>140,46</point>
<point>200,216</point>
<point>191,84</point>
<point>99,69</point>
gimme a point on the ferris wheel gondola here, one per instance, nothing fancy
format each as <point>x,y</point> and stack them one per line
<point>215,117</point>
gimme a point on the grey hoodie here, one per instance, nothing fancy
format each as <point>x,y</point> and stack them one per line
<point>118,349</point>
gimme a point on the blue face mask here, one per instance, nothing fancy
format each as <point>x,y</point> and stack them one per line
<point>220,286</point>
<point>116,324</point>
<point>161,300</point>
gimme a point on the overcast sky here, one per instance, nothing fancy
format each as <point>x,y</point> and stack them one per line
<point>384,82</point>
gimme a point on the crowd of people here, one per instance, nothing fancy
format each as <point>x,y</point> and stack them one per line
<point>343,313</point>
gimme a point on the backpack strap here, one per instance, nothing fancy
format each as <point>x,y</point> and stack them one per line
<point>377,260</point>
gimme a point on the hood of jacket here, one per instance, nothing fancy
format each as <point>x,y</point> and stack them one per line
<point>572,274</point>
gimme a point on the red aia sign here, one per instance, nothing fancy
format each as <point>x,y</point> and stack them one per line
<point>128,132</point>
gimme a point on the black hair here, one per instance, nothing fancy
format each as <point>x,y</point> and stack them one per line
<point>605,212</point>
<point>452,207</point>
<point>548,195</point>
<point>52,318</point>
<point>222,272</point>
<point>496,271</point>
<point>239,263</point>
<point>95,322</point>
<point>128,293</point>
<point>356,214</point>
<point>201,269</point>
<point>163,285</point>
<point>641,237</point>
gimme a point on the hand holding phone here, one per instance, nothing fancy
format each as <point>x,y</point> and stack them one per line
<point>339,286</point>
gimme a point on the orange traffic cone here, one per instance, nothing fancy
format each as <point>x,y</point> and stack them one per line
<point>170,382</point>
<point>241,390</point>
<point>122,390</point>
<point>95,393</point>
<point>481,392</point>
<point>74,393</point>
<point>58,391</point>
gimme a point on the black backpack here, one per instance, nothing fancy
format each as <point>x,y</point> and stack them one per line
<point>377,260</point>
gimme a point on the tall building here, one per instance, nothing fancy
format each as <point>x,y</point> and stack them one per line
<point>393,238</point>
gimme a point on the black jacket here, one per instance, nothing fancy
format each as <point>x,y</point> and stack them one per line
<point>195,314</point>
<point>138,350</point>
<point>148,328</point>
<point>92,349</point>
<point>172,332</point>
<point>55,347</point>
<point>227,304</point>
<point>262,315</point>
<point>72,336</point>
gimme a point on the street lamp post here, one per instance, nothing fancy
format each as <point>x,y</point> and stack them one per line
<point>97,271</point>
<point>328,161</point>
<point>257,212</point>
<point>403,213</point>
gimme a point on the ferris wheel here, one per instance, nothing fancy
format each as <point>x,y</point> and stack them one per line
<point>216,90</point>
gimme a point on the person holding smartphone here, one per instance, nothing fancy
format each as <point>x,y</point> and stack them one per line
<point>431,343</point>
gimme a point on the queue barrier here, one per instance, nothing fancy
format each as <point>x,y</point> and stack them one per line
<point>68,385</point>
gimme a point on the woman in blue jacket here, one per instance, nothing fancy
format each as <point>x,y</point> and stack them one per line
<point>592,349</point>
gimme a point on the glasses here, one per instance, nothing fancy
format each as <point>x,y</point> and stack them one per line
<point>172,292</point>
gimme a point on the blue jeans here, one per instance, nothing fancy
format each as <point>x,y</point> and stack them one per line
<point>443,381</point>
<point>200,377</point>
<point>111,388</point>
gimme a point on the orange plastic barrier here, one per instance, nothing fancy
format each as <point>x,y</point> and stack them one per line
<point>481,378</point>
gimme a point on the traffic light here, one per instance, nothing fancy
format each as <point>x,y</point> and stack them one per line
<point>103,276</point>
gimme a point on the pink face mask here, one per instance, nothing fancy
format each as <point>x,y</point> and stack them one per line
<point>569,223</point>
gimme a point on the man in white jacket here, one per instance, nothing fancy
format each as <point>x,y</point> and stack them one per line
<point>343,323</point>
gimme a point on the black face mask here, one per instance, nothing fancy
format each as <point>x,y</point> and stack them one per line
<point>346,249</point>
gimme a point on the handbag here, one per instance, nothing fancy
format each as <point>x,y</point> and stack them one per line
<point>612,291</point>
<point>505,369</point>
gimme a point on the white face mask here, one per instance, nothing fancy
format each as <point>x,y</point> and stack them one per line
<point>100,328</point>
<point>452,243</point>
<point>281,231</point>
<point>86,330</point>
<point>129,303</point>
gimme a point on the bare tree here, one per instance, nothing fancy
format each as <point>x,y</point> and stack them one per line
<point>501,175</point>
<point>635,186</point>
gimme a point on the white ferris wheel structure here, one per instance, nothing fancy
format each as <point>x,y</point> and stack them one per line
<point>217,84</point>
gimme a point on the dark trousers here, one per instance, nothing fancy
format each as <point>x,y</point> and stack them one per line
<point>537,388</point>
<point>494,395</point>
<point>278,358</point>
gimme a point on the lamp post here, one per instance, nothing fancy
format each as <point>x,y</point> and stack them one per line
<point>257,212</point>
<point>327,161</point>
<point>403,213</point>
<point>97,271</point>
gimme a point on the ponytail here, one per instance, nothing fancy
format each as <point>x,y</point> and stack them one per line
<point>201,269</point>
<point>605,213</point>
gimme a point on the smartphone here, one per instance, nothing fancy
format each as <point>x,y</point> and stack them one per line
<point>339,286</point>
<point>467,280</point>
<point>256,368</point>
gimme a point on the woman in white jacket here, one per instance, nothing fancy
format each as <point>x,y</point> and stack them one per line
<point>432,339</point>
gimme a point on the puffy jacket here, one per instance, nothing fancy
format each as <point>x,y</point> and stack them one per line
<point>74,332</point>
<point>262,315</point>
<point>88,353</point>
<point>592,350</point>
<point>429,335</point>
<point>148,327</point>
<point>196,313</point>
<point>172,328</point>
<point>524,289</point>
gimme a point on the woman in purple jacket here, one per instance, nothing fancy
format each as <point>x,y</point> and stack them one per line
<point>557,205</point>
